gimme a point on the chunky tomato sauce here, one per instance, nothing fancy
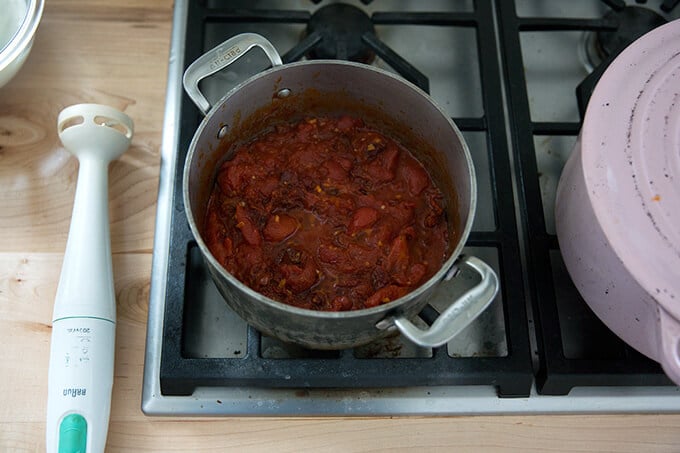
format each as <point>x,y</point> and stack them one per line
<point>327,214</point>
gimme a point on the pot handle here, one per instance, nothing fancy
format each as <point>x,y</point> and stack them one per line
<point>459,314</point>
<point>219,58</point>
<point>669,338</point>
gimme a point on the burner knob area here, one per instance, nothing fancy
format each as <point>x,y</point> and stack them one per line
<point>340,27</point>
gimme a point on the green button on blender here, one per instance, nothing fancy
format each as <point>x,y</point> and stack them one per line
<point>73,434</point>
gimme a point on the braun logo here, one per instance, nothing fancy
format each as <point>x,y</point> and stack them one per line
<point>74,392</point>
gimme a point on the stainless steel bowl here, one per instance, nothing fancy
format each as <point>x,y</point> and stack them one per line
<point>18,23</point>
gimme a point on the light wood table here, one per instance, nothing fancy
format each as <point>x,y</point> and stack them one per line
<point>116,53</point>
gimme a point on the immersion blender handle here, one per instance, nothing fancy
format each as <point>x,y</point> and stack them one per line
<point>80,376</point>
<point>86,281</point>
<point>96,135</point>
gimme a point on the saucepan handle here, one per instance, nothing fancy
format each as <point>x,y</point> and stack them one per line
<point>460,313</point>
<point>669,338</point>
<point>219,58</point>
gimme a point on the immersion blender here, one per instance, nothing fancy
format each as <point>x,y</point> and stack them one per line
<point>84,321</point>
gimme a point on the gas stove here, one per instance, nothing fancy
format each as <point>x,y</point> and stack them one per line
<point>515,76</point>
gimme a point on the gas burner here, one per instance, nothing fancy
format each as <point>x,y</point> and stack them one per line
<point>340,27</point>
<point>601,48</point>
<point>633,22</point>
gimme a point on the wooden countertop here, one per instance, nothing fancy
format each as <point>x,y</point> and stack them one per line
<point>116,53</point>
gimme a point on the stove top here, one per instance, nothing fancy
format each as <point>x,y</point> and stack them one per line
<point>514,76</point>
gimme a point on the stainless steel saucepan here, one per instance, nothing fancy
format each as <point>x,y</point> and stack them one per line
<point>385,101</point>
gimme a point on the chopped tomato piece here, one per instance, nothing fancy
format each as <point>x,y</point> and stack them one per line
<point>383,167</point>
<point>341,303</point>
<point>247,227</point>
<point>398,259</point>
<point>336,257</point>
<point>363,218</point>
<point>299,278</point>
<point>268,185</point>
<point>279,227</point>
<point>335,170</point>
<point>416,177</point>
<point>346,123</point>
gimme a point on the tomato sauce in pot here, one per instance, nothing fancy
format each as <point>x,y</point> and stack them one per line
<point>327,214</point>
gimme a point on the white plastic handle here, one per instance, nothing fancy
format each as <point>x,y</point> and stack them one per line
<point>80,381</point>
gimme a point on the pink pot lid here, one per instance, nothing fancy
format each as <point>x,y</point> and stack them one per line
<point>630,142</point>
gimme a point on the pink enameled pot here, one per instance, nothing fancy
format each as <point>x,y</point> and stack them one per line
<point>618,200</point>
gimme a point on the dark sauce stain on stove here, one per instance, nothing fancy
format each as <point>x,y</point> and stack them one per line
<point>386,347</point>
<point>302,393</point>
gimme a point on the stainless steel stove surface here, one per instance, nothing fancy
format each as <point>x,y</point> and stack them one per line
<point>507,73</point>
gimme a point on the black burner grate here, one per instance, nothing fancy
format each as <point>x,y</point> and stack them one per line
<point>511,373</point>
<point>611,363</point>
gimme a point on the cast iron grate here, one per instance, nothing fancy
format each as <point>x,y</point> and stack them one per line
<point>511,374</point>
<point>617,364</point>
